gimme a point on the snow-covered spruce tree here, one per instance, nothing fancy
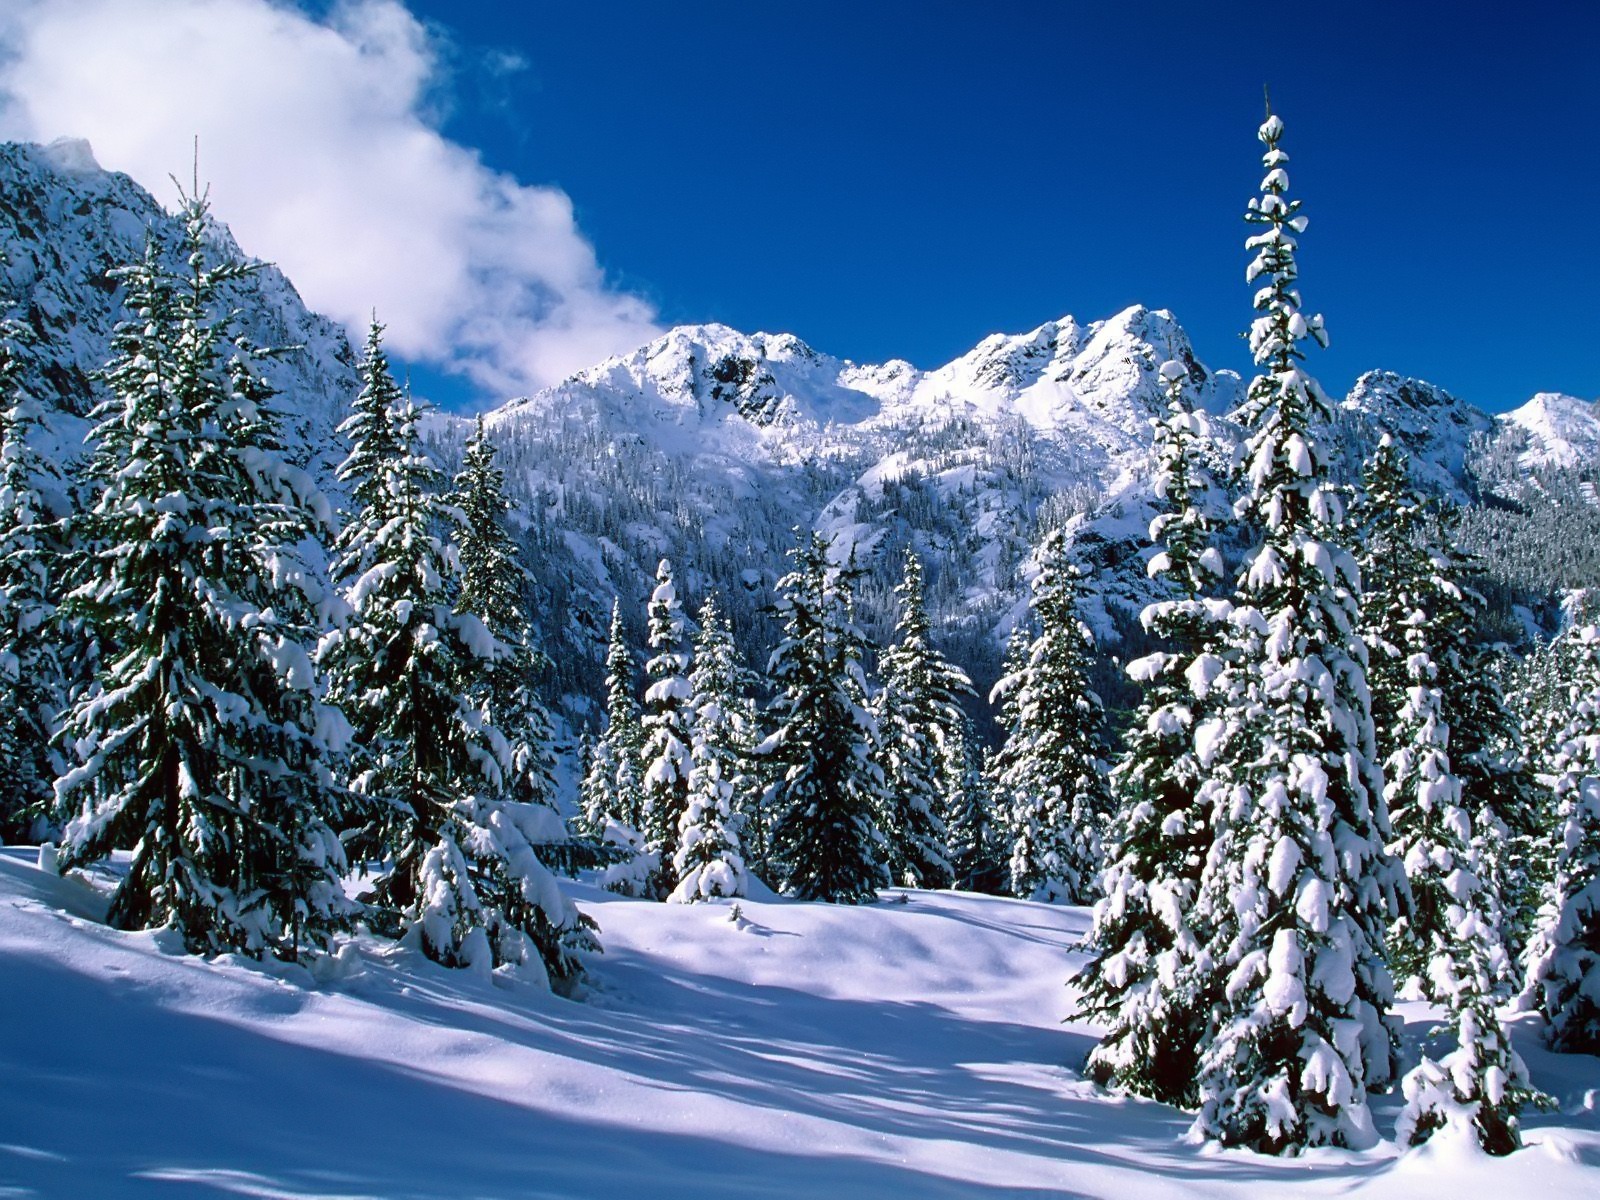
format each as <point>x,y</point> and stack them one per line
<point>665,724</point>
<point>493,589</point>
<point>975,836</point>
<point>202,747</point>
<point>1509,805</point>
<point>919,726</point>
<point>1053,766</point>
<point>1416,603</point>
<point>1399,572</point>
<point>517,835</point>
<point>1451,936</point>
<point>458,871</point>
<point>1564,958</point>
<point>826,843</point>
<point>1297,890</point>
<point>710,862</point>
<point>612,791</point>
<point>1141,938</point>
<point>1008,717</point>
<point>32,683</point>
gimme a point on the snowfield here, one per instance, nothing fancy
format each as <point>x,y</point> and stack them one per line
<point>912,1048</point>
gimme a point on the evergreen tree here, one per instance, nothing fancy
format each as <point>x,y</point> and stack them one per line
<point>667,740</point>
<point>919,723</point>
<point>1564,958</point>
<point>516,835</point>
<point>826,843</point>
<point>1142,940</point>
<point>975,836</point>
<point>612,791</point>
<point>493,586</point>
<point>1417,604</point>
<point>1510,809</point>
<point>710,862</point>
<point>31,676</point>
<point>1053,766</point>
<point>202,745</point>
<point>1297,889</point>
<point>1451,933</point>
<point>460,875</point>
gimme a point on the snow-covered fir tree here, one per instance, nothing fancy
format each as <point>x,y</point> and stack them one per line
<point>665,724</point>
<point>919,728</point>
<point>1451,937</point>
<point>1298,888</point>
<point>516,835</point>
<point>1564,957</point>
<point>202,746</point>
<point>975,835</point>
<point>826,843</point>
<point>32,684</point>
<point>1142,940</point>
<point>458,871</point>
<point>1052,768</point>
<point>494,587</point>
<point>710,862</point>
<point>1416,601</point>
<point>612,791</point>
<point>1498,783</point>
<point>1415,620</point>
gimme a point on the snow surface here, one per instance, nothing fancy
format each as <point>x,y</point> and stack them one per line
<point>911,1049</point>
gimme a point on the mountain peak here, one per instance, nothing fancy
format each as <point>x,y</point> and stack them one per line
<point>1564,430</point>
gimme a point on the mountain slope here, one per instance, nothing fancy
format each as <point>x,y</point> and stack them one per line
<point>711,446</point>
<point>65,223</point>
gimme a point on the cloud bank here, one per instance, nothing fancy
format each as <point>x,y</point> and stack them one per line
<point>316,137</point>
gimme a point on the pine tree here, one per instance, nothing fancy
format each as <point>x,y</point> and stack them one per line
<point>32,684</point>
<point>202,745</point>
<point>919,723</point>
<point>1564,958</point>
<point>710,861</point>
<point>826,843</point>
<point>1297,889</point>
<point>459,871</point>
<point>1142,940</point>
<point>1052,773</point>
<point>667,740</point>
<point>612,792</point>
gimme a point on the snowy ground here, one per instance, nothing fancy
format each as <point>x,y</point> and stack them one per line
<point>901,1050</point>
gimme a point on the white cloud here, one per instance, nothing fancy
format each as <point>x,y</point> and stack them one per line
<point>316,139</point>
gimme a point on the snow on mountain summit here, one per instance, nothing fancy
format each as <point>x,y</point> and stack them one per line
<point>1564,430</point>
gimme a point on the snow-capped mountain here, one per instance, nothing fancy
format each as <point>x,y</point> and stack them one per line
<point>711,446</point>
<point>1562,430</point>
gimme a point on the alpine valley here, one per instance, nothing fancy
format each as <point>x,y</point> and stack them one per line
<point>711,446</point>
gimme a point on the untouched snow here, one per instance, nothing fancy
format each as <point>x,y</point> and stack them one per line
<point>908,1049</point>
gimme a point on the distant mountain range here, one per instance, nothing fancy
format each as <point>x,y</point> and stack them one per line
<point>711,446</point>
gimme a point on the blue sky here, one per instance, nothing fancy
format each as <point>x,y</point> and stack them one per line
<point>899,179</point>
<point>521,189</point>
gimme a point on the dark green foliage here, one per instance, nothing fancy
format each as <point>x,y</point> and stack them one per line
<point>202,746</point>
<point>826,844</point>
